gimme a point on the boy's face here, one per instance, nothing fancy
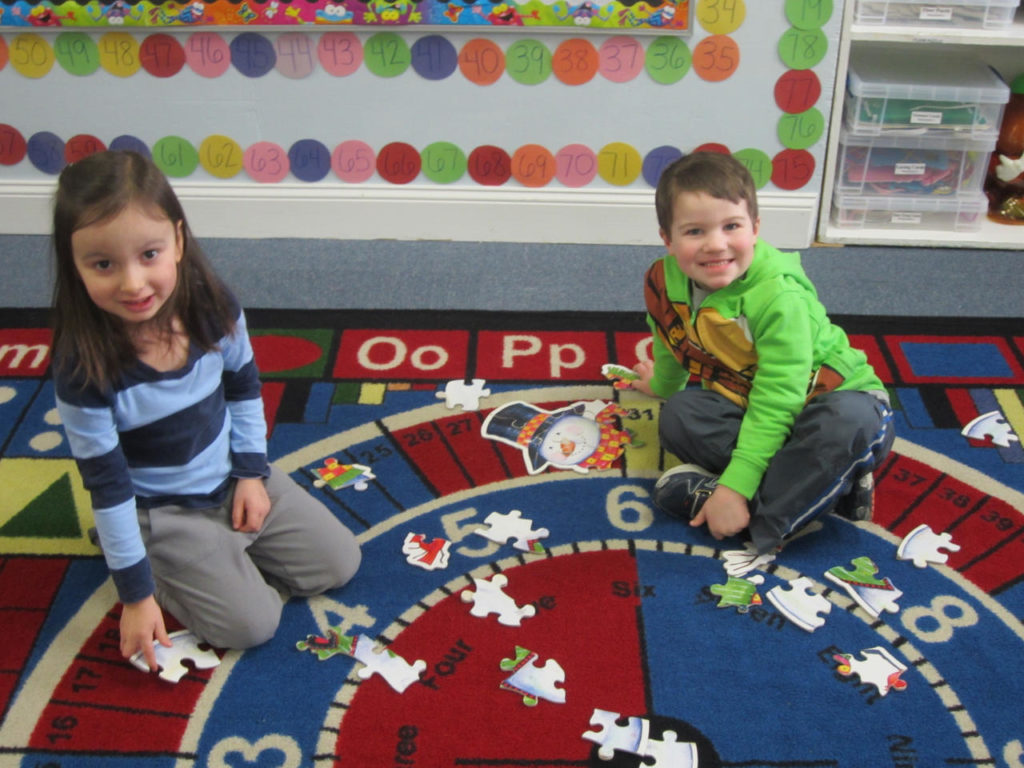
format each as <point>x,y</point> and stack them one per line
<point>711,239</point>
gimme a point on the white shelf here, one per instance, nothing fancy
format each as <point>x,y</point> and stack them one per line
<point>1012,36</point>
<point>991,235</point>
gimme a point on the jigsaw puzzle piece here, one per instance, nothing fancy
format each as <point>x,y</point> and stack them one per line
<point>332,643</point>
<point>533,682</point>
<point>463,394</point>
<point>872,594</point>
<point>669,753</point>
<point>922,545</point>
<point>738,593</point>
<point>993,426</point>
<point>876,666</point>
<point>631,737</point>
<point>429,555</point>
<point>336,475</point>
<point>490,597</point>
<point>185,647</point>
<point>398,673</point>
<point>500,528</point>
<point>620,376</point>
<point>800,604</point>
<point>740,562</point>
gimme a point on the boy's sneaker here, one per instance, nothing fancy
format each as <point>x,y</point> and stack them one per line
<point>859,502</point>
<point>682,490</point>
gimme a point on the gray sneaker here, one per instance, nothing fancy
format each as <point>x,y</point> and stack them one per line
<point>859,502</point>
<point>682,491</point>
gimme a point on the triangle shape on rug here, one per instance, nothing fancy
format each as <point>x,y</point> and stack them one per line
<point>49,515</point>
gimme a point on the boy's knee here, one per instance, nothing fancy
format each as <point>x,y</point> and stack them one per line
<point>248,626</point>
<point>346,565</point>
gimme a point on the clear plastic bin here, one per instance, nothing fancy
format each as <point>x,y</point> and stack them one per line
<point>889,90</point>
<point>953,14</point>
<point>933,214</point>
<point>912,166</point>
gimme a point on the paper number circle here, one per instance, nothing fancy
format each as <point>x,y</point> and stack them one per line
<point>489,166</point>
<point>77,53</point>
<point>721,18</point>
<point>622,59</point>
<point>575,165</point>
<point>207,54</point>
<point>808,14</point>
<point>309,159</point>
<point>12,145</point>
<point>528,62</point>
<point>252,54</point>
<point>619,163</point>
<point>657,160</point>
<point>575,61</point>
<point>294,53</point>
<point>353,161</point>
<point>161,55</point>
<point>481,61</point>
<point>668,60</point>
<point>175,156</point>
<point>386,54</point>
<point>46,152</point>
<point>119,54</point>
<point>80,146</point>
<point>715,58</point>
<point>434,57</point>
<point>533,165</point>
<point>266,162</point>
<point>802,48</point>
<point>443,162</point>
<point>31,56</point>
<point>398,163</point>
<point>758,163</point>
<point>221,156</point>
<point>792,168</point>
<point>797,90</point>
<point>340,53</point>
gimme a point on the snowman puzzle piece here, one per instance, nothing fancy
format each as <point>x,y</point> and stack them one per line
<point>631,737</point>
<point>993,426</point>
<point>531,681</point>
<point>429,555</point>
<point>800,604</point>
<point>184,647</point>
<point>333,643</point>
<point>489,598</point>
<point>740,562</point>
<point>876,666</point>
<point>463,394</point>
<point>872,594</point>
<point>337,475</point>
<point>738,593</point>
<point>922,545</point>
<point>500,528</point>
<point>398,673</point>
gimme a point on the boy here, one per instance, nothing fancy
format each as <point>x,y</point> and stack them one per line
<point>790,420</point>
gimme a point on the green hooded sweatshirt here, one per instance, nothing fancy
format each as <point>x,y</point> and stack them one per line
<point>765,342</point>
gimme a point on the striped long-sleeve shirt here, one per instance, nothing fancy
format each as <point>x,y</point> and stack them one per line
<point>155,438</point>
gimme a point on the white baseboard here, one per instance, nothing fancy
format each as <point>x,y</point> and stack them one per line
<point>388,212</point>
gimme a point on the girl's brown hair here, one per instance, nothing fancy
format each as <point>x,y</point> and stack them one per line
<point>89,344</point>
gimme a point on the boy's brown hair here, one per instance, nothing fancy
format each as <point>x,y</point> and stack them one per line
<point>719,175</point>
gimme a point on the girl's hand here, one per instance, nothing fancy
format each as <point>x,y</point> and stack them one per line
<point>251,505</point>
<point>645,370</point>
<point>726,512</point>
<point>141,623</point>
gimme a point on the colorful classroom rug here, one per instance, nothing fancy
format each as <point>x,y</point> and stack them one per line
<point>586,630</point>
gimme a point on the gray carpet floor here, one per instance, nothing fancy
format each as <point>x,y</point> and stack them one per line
<point>422,275</point>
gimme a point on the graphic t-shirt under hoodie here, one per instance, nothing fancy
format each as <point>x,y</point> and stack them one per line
<point>765,342</point>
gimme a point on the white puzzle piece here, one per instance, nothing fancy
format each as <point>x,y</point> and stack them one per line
<point>992,425</point>
<point>185,646</point>
<point>922,545</point>
<point>489,598</point>
<point>631,737</point>
<point>531,681</point>
<point>872,594</point>
<point>669,753</point>
<point>429,555</point>
<point>500,528</point>
<point>398,673</point>
<point>463,394</point>
<point>800,604</point>
<point>876,666</point>
<point>740,562</point>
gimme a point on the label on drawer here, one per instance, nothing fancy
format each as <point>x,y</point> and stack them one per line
<point>925,117</point>
<point>910,169</point>
<point>906,217</point>
<point>936,13</point>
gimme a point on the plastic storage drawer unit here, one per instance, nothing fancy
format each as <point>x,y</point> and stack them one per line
<point>911,165</point>
<point>890,90</point>
<point>952,14</point>
<point>935,214</point>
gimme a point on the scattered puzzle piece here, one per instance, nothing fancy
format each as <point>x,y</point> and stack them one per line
<point>398,673</point>
<point>332,644</point>
<point>463,394</point>
<point>631,737</point>
<point>669,753</point>
<point>738,593</point>
<point>429,555</point>
<point>800,604</point>
<point>533,682</point>
<point>338,476</point>
<point>872,594</point>
<point>501,528</point>
<point>992,425</point>
<point>923,546</point>
<point>489,598</point>
<point>619,375</point>
<point>876,666</point>
<point>740,562</point>
<point>185,647</point>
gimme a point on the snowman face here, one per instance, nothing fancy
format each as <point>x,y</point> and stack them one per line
<point>571,440</point>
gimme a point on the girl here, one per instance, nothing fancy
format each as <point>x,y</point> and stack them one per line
<point>160,398</point>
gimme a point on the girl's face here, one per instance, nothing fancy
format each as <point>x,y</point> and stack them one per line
<point>129,262</point>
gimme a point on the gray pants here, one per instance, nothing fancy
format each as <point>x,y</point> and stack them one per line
<point>228,587</point>
<point>836,438</point>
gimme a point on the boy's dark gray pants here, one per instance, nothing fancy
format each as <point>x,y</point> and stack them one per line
<point>837,438</point>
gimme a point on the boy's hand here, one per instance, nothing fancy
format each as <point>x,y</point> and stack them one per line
<point>251,505</point>
<point>645,370</point>
<point>141,623</point>
<point>726,512</point>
